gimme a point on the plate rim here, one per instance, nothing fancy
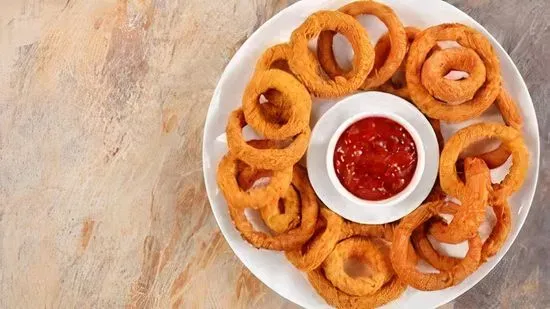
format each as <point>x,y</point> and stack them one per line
<point>303,4</point>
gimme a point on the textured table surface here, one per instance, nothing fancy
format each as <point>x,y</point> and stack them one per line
<point>102,202</point>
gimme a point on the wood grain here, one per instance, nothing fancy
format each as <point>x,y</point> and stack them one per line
<point>102,202</point>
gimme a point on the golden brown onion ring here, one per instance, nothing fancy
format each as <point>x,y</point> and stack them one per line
<point>273,158</point>
<point>429,281</point>
<point>471,214</point>
<point>315,251</point>
<point>381,51</point>
<point>511,139</point>
<point>441,62</point>
<point>500,231</point>
<point>292,92</point>
<point>397,50</point>
<point>306,66</point>
<point>339,299</point>
<point>368,252</point>
<point>467,37</point>
<point>275,57</point>
<point>293,238</point>
<point>254,198</point>
<point>512,117</point>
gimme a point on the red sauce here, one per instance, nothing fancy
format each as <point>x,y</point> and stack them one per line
<point>375,158</point>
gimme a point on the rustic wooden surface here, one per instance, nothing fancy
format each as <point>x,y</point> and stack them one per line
<point>102,202</point>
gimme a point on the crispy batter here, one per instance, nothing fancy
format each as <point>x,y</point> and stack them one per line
<point>274,158</point>
<point>315,251</point>
<point>500,231</point>
<point>293,93</point>
<point>467,37</point>
<point>467,220</point>
<point>429,281</point>
<point>396,52</point>
<point>254,198</point>
<point>512,140</point>
<point>443,61</point>
<point>382,50</point>
<point>367,251</point>
<point>275,57</point>
<point>306,66</point>
<point>293,238</point>
<point>339,299</point>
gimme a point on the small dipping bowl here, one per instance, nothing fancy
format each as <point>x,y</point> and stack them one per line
<point>330,122</point>
<point>400,196</point>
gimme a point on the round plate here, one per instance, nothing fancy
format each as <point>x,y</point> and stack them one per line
<point>271,267</point>
<point>318,147</point>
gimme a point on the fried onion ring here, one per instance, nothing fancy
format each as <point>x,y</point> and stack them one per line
<point>443,61</point>
<point>293,238</point>
<point>254,198</point>
<point>397,50</point>
<point>381,51</point>
<point>511,139</point>
<point>339,299</point>
<point>429,281</point>
<point>367,251</point>
<point>466,37</point>
<point>500,231</point>
<point>273,158</point>
<point>315,251</point>
<point>306,66</point>
<point>292,92</point>
<point>275,57</point>
<point>467,220</point>
<point>512,117</point>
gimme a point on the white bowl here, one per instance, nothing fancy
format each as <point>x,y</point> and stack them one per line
<point>331,125</point>
<point>421,160</point>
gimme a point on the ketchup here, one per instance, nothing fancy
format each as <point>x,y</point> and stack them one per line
<point>375,158</point>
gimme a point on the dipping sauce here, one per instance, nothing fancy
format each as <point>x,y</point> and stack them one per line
<point>375,158</point>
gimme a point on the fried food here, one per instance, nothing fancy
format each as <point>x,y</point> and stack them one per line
<point>306,66</point>
<point>333,296</point>
<point>397,84</point>
<point>512,117</point>
<point>429,281</point>
<point>468,38</point>
<point>293,93</point>
<point>397,47</point>
<point>500,231</point>
<point>312,254</point>
<point>511,139</point>
<point>275,57</point>
<point>471,214</point>
<point>293,238</point>
<point>277,157</point>
<point>441,62</point>
<point>367,252</point>
<point>256,197</point>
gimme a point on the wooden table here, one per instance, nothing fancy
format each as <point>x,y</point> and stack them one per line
<point>102,202</point>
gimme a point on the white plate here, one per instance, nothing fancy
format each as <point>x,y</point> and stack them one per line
<point>271,267</point>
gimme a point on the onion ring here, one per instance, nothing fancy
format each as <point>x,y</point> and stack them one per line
<point>275,57</point>
<point>467,220</point>
<point>366,250</point>
<point>293,93</point>
<point>500,231</point>
<point>397,51</point>
<point>429,281</point>
<point>254,198</point>
<point>512,117</point>
<point>316,250</point>
<point>306,65</point>
<point>443,61</point>
<point>382,50</point>
<point>281,216</point>
<point>511,139</point>
<point>268,159</point>
<point>467,37</point>
<point>339,299</point>
<point>293,238</point>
